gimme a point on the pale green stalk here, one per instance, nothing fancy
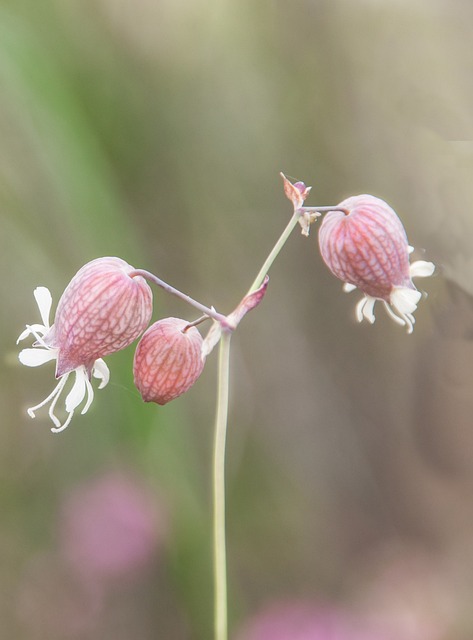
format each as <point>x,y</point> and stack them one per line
<point>219,550</point>
<point>274,252</point>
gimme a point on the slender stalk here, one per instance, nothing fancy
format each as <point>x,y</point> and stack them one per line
<point>274,252</point>
<point>283,238</point>
<point>219,535</point>
<point>209,311</point>
<point>323,209</point>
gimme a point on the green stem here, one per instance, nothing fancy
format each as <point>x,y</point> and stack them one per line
<point>274,252</point>
<point>219,546</point>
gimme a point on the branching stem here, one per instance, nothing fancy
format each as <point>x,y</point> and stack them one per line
<point>274,252</point>
<point>208,311</point>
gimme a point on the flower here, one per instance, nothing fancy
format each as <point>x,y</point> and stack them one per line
<point>41,353</point>
<point>366,247</point>
<point>111,527</point>
<point>301,620</point>
<point>101,311</point>
<point>168,360</point>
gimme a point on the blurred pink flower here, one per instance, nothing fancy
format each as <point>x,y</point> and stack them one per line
<point>111,527</point>
<point>101,311</point>
<point>367,248</point>
<point>304,621</point>
<point>409,595</point>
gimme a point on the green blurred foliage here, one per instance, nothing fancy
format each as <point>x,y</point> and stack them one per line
<point>155,131</point>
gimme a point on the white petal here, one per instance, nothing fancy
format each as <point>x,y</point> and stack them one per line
<point>37,331</point>
<point>364,309</point>
<point>44,302</point>
<point>36,357</point>
<point>368,309</point>
<point>32,329</point>
<point>347,287</point>
<point>410,249</point>
<point>90,396</point>
<point>77,393</point>
<point>421,269</point>
<point>24,334</point>
<point>101,372</point>
<point>404,299</point>
<point>359,309</point>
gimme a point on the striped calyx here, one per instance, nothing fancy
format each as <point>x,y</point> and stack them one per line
<point>367,248</point>
<point>101,311</point>
<point>168,360</point>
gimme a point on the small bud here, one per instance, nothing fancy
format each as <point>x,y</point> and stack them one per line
<point>168,360</point>
<point>296,193</point>
<point>101,311</point>
<point>366,247</point>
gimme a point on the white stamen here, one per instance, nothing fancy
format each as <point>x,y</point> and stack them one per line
<point>65,425</point>
<point>55,392</point>
<point>51,413</point>
<point>393,315</point>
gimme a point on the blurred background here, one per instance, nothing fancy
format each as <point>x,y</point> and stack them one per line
<point>155,130</point>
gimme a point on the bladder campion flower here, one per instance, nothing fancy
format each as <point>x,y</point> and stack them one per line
<point>366,247</point>
<point>101,311</point>
<point>168,360</point>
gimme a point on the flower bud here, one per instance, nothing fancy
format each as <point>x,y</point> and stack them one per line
<point>101,311</point>
<point>168,360</point>
<point>366,247</point>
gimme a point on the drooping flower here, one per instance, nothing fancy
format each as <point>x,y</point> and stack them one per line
<point>366,247</point>
<point>168,360</point>
<point>101,311</point>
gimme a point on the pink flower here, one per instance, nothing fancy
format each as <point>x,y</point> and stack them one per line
<point>368,249</point>
<point>111,527</point>
<point>168,360</point>
<point>101,311</point>
<point>305,621</point>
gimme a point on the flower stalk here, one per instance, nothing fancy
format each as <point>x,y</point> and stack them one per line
<point>208,311</point>
<point>108,305</point>
<point>219,528</point>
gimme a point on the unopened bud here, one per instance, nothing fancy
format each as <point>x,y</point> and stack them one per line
<point>168,360</point>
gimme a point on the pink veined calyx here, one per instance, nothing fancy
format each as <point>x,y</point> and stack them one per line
<point>365,245</point>
<point>101,311</point>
